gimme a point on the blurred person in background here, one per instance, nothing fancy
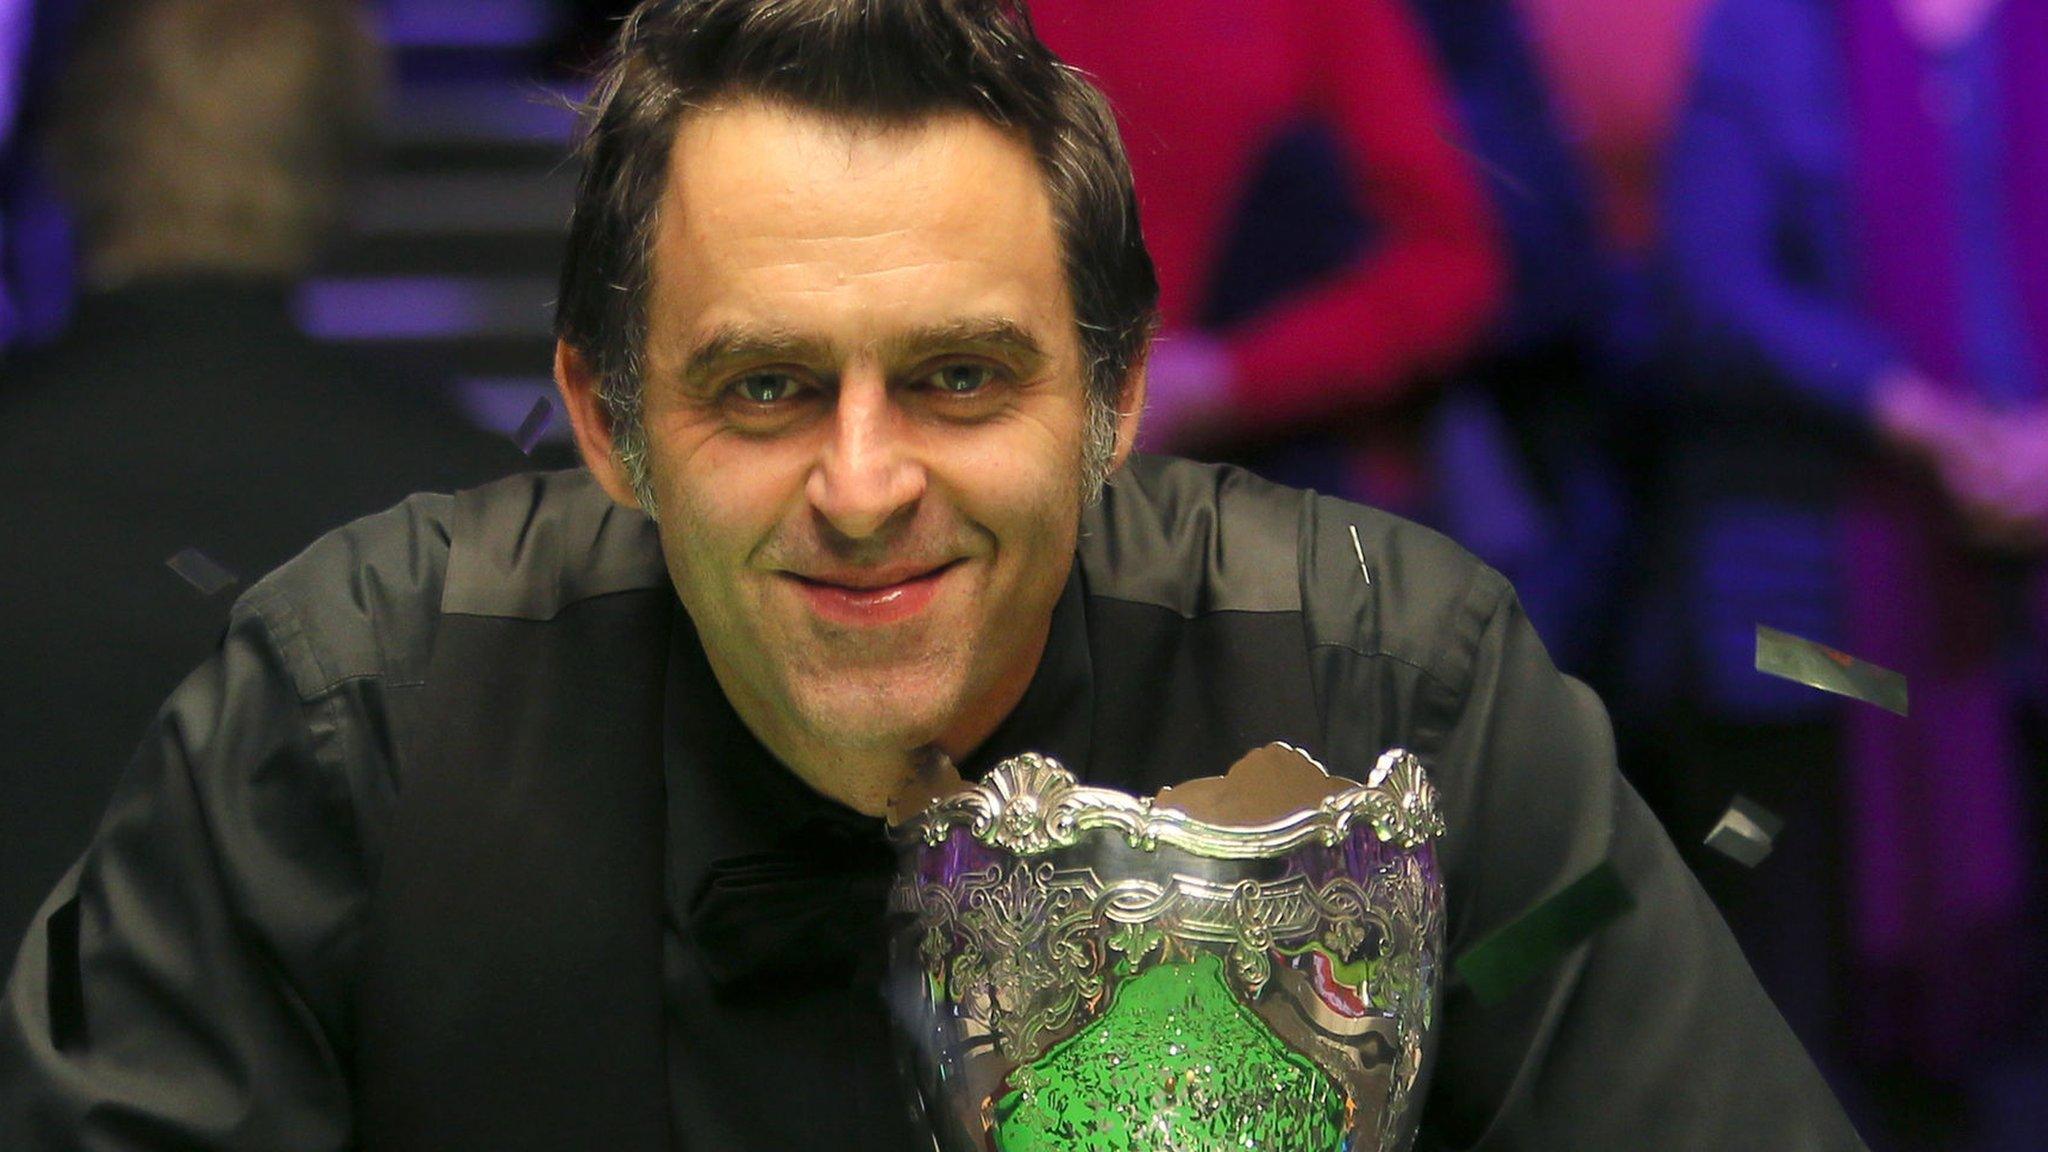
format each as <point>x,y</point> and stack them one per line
<point>1617,72</point>
<point>1522,446</point>
<point>1857,217</point>
<point>206,146</point>
<point>1305,347</point>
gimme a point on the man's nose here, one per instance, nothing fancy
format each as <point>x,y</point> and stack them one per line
<point>868,473</point>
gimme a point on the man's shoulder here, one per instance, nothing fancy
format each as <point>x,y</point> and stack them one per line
<point>1203,538</point>
<point>364,600</point>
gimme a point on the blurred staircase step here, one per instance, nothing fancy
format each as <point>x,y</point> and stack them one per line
<point>465,203</point>
<point>475,356</point>
<point>478,39</point>
<point>466,223</point>
<point>494,124</point>
<point>456,241</point>
<point>478,254</point>
<point>427,307</point>
<point>437,326</point>
<point>480,25</point>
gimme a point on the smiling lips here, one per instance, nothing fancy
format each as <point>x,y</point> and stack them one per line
<point>871,599</point>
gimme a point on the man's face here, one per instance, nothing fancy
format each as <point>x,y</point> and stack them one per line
<point>865,418</point>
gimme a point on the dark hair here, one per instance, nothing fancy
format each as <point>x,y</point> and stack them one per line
<point>886,61</point>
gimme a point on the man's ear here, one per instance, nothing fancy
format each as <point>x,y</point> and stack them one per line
<point>1130,407</point>
<point>578,383</point>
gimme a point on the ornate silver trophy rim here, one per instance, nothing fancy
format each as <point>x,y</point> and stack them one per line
<point>1032,804</point>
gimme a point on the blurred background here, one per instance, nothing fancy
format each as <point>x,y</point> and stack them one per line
<point>1688,315</point>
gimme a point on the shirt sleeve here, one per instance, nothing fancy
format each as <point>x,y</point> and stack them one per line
<point>168,995</point>
<point>1726,210</point>
<point>1651,1034</point>
<point>1419,298</point>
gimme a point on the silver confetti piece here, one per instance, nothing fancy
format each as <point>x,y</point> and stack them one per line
<point>536,422</point>
<point>1515,954</point>
<point>200,571</point>
<point>1819,666</point>
<point>1360,549</point>
<point>1746,832</point>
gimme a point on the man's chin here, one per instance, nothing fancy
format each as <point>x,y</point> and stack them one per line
<point>878,723</point>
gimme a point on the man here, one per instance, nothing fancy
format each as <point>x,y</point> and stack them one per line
<point>206,148</point>
<point>542,816</point>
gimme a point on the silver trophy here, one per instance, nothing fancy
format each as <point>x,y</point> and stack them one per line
<point>1240,962</point>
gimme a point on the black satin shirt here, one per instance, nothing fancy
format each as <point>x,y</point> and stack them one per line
<point>190,984</point>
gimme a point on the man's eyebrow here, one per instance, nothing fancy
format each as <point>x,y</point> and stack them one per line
<point>739,343</point>
<point>995,334</point>
<point>732,343</point>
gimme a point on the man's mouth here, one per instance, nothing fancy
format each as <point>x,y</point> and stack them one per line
<point>871,597</point>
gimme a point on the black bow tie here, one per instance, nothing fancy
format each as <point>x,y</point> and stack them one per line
<point>810,911</point>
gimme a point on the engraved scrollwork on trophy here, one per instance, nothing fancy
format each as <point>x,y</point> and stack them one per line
<point>1400,801</point>
<point>1413,901</point>
<point>1345,912</point>
<point>1027,957</point>
<point>1044,936</point>
<point>1253,913</point>
<point>1136,913</point>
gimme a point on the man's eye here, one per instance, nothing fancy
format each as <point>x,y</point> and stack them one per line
<point>962,379</point>
<point>765,387</point>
